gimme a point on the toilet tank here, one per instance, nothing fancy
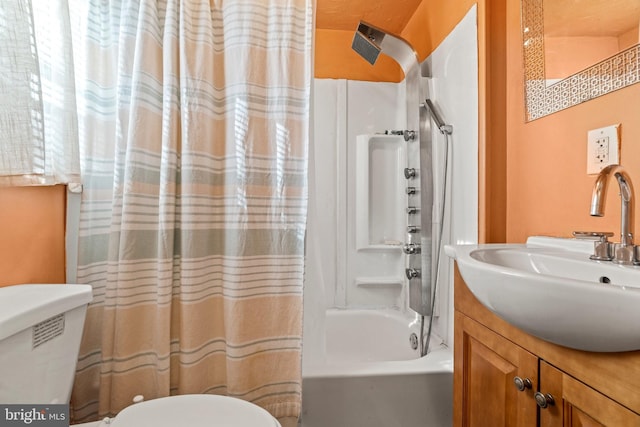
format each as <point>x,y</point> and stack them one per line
<point>40,332</point>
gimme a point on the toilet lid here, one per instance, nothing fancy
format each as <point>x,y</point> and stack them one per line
<point>194,410</point>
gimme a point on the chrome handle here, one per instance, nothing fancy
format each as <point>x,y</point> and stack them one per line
<point>636,254</point>
<point>412,273</point>
<point>409,173</point>
<point>522,384</point>
<point>544,400</point>
<point>411,190</point>
<point>622,253</point>
<point>412,229</point>
<point>411,210</point>
<point>411,249</point>
<point>602,248</point>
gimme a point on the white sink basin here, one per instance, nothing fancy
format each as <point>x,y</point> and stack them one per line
<point>552,290</point>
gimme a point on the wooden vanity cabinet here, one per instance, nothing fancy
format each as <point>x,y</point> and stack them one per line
<point>585,389</point>
<point>578,404</point>
<point>485,367</point>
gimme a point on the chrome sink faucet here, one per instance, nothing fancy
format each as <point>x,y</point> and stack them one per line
<point>623,252</point>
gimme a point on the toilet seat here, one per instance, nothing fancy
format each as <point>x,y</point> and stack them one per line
<point>194,410</point>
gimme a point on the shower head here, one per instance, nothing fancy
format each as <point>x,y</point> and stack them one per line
<point>442,127</point>
<point>432,109</point>
<point>366,42</point>
<point>369,41</point>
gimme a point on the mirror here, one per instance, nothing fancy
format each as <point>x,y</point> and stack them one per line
<point>577,50</point>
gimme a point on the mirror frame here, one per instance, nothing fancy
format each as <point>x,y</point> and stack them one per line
<point>611,74</point>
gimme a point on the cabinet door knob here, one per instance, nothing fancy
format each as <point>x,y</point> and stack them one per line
<point>544,400</point>
<point>522,384</point>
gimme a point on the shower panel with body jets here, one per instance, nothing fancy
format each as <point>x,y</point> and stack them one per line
<point>368,42</point>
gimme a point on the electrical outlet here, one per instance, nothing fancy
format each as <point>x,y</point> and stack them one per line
<point>603,148</point>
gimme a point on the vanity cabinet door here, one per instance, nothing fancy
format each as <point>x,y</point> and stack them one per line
<point>578,405</point>
<point>486,365</point>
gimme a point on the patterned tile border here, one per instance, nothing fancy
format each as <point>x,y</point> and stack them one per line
<point>606,76</point>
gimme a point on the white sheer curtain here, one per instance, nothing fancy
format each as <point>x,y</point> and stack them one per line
<point>38,119</point>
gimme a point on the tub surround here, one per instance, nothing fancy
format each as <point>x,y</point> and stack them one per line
<point>363,388</point>
<point>345,109</point>
<point>453,77</point>
<point>343,112</point>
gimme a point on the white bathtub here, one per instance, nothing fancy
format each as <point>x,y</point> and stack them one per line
<point>373,378</point>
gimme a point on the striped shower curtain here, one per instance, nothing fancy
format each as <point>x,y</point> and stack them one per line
<point>193,122</point>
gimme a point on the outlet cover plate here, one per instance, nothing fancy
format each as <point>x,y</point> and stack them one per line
<point>603,148</point>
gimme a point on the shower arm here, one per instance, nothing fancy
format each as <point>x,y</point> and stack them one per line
<point>442,127</point>
<point>369,41</point>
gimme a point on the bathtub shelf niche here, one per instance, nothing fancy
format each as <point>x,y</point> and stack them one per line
<point>380,196</point>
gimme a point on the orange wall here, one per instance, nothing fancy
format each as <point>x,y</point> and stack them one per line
<point>432,21</point>
<point>548,190</point>
<point>32,228</point>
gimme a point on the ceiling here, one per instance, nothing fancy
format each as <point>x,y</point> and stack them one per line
<point>590,17</point>
<point>389,15</point>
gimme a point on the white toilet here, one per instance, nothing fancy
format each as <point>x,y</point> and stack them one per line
<point>194,410</point>
<point>40,332</point>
